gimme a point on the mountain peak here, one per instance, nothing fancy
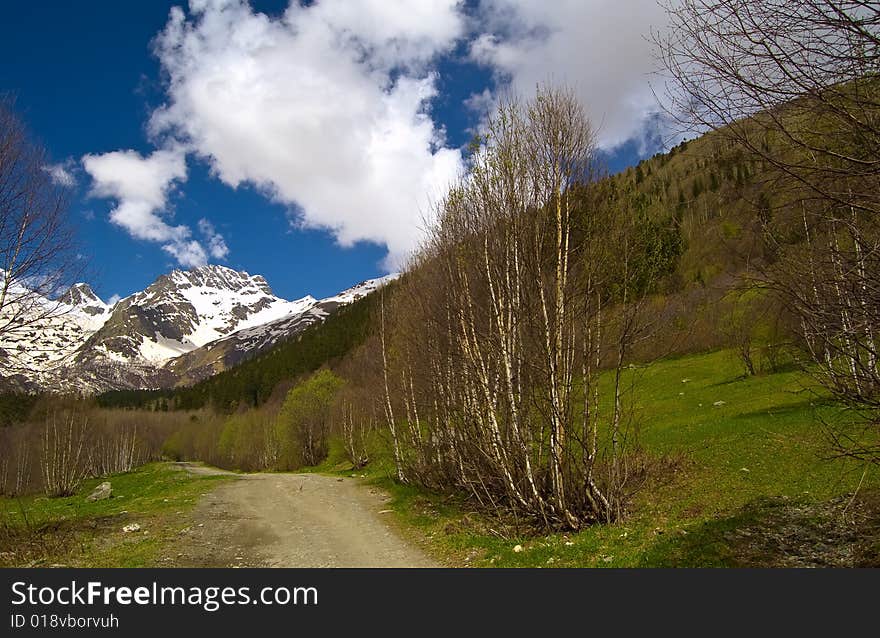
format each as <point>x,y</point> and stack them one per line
<point>204,319</point>
<point>80,295</point>
<point>219,277</point>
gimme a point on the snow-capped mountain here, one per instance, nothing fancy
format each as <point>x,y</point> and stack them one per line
<point>184,310</point>
<point>230,350</point>
<point>81,297</point>
<point>41,334</point>
<point>185,326</point>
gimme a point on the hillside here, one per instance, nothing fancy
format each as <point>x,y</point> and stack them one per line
<point>740,476</point>
<point>700,192</point>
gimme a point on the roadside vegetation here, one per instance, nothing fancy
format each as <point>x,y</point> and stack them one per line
<point>748,482</point>
<point>135,527</point>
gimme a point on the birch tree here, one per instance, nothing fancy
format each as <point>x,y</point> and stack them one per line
<point>500,328</point>
<point>38,258</point>
<point>795,85</point>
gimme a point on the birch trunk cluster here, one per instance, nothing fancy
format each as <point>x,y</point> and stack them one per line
<point>492,358</point>
<point>832,284</point>
<point>58,448</point>
<point>64,454</point>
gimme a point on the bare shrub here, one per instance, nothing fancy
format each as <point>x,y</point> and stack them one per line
<point>795,85</point>
<point>533,283</point>
<point>64,457</point>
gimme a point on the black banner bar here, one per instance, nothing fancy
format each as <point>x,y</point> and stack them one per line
<point>259,602</point>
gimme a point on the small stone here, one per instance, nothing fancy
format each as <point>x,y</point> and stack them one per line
<point>131,527</point>
<point>517,549</point>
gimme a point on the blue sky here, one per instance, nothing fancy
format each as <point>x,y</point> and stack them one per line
<point>235,118</point>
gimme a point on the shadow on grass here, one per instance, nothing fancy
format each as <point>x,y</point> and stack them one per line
<point>780,532</point>
<point>807,406</point>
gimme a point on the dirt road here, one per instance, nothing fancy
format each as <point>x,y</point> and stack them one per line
<point>293,520</point>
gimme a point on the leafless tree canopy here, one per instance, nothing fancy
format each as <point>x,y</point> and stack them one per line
<point>796,84</point>
<point>38,257</point>
<point>493,345</point>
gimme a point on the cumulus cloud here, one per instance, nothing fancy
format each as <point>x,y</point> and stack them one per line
<point>601,48</point>
<point>216,244</point>
<point>188,253</point>
<point>325,108</point>
<point>61,174</point>
<point>140,186</point>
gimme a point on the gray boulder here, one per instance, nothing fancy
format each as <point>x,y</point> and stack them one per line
<point>103,491</point>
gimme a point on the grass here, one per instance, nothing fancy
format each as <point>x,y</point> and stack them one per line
<point>751,485</point>
<point>70,531</point>
<point>751,459</point>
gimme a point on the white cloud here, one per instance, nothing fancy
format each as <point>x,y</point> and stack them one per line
<point>216,244</point>
<point>325,108</point>
<point>61,174</point>
<point>601,48</point>
<point>140,186</point>
<point>188,253</point>
<point>113,299</point>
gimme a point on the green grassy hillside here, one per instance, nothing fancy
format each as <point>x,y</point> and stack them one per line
<point>741,477</point>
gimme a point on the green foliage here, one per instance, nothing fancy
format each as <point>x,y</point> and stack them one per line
<point>302,427</point>
<point>15,407</point>
<point>247,441</point>
<point>655,247</point>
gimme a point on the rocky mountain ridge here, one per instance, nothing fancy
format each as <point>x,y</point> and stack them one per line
<point>185,326</point>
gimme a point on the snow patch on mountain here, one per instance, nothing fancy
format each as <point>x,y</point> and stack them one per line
<point>209,317</point>
<point>41,334</point>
